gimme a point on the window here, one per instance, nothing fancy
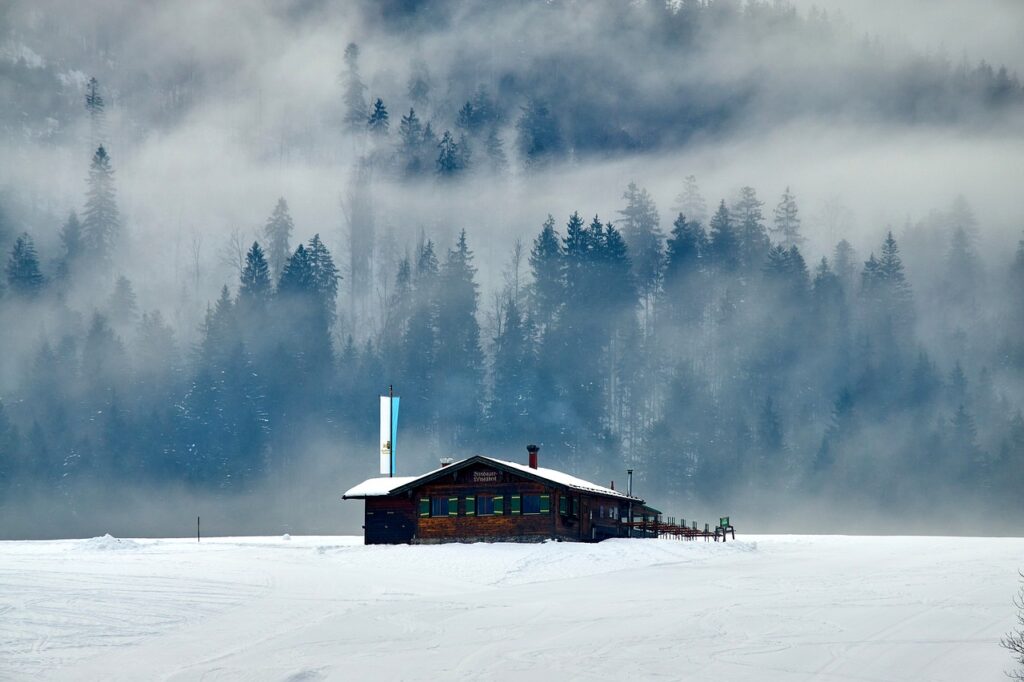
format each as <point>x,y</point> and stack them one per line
<point>563,505</point>
<point>536,504</point>
<point>470,506</point>
<point>424,506</point>
<point>439,506</point>
<point>499,505</point>
<point>516,505</point>
<point>484,505</point>
<point>453,506</point>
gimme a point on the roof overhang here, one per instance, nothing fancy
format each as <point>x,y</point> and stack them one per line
<point>383,487</point>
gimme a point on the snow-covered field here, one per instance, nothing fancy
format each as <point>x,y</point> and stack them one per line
<point>309,608</point>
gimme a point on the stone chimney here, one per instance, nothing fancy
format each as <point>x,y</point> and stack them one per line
<point>532,449</point>
<point>445,461</point>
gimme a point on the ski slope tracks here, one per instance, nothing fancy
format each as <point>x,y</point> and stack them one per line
<point>311,608</point>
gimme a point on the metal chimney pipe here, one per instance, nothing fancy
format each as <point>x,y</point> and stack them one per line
<point>629,482</point>
<point>532,449</point>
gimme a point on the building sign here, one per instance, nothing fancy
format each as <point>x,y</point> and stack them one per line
<point>486,476</point>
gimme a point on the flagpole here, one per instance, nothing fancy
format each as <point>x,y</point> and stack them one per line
<point>391,428</point>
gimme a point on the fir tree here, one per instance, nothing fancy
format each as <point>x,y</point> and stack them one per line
<point>323,274</point>
<point>102,225</point>
<point>71,246</point>
<point>640,227</point>
<point>410,135</point>
<point>724,247</point>
<point>377,122</point>
<point>844,261</point>
<point>465,119</point>
<point>256,285</point>
<point>690,202</point>
<point>95,105</point>
<point>123,305</point>
<point>751,232</point>
<point>418,86</point>
<point>513,394</point>
<point>495,149</point>
<point>685,250</point>
<point>278,232</point>
<point>459,355</point>
<point>23,275</point>
<point>449,159</point>
<point>355,91</point>
<point>548,269</point>
<point>465,153</point>
<point>297,275</point>
<point>787,221</point>
<point>539,138</point>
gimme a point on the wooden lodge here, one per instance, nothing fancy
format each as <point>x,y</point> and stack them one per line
<point>481,499</point>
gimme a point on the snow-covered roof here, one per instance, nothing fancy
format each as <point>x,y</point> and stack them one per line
<point>379,487</point>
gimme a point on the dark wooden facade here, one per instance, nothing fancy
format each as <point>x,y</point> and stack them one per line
<point>485,500</point>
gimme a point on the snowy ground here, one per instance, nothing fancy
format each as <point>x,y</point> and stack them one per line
<point>763,608</point>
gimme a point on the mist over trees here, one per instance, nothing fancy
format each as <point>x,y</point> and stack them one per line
<point>725,346</point>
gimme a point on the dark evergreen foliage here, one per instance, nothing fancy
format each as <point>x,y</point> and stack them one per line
<point>101,227</point>
<point>24,277</point>
<point>278,232</point>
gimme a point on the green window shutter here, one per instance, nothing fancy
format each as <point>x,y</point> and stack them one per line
<point>563,505</point>
<point>545,504</point>
<point>499,505</point>
<point>516,506</point>
<point>453,506</point>
<point>424,506</point>
<point>470,505</point>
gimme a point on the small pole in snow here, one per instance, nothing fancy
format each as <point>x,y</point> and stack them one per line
<point>197,529</point>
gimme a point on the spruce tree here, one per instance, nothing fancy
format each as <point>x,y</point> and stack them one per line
<point>123,306</point>
<point>377,122</point>
<point>324,275</point>
<point>724,247</point>
<point>539,138</point>
<point>256,286</point>
<point>786,227</point>
<point>24,277</point>
<point>513,395</point>
<point>459,355</point>
<point>750,229</point>
<point>355,91</point>
<point>690,202</point>
<point>684,250</point>
<point>464,153</point>
<point>410,136</point>
<point>448,158</point>
<point>466,119</point>
<point>685,253</point>
<point>495,150</point>
<point>418,86</point>
<point>102,224</point>
<point>640,228</point>
<point>95,105</point>
<point>844,260</point>
<point>278,232</point>
<point>419,343</point>
<point>547,267</point>
<point>71,246</point>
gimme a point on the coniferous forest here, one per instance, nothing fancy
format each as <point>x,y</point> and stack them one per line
<point>613,242</point>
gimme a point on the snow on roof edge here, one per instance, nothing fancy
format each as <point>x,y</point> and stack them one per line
<point>383,486</point>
